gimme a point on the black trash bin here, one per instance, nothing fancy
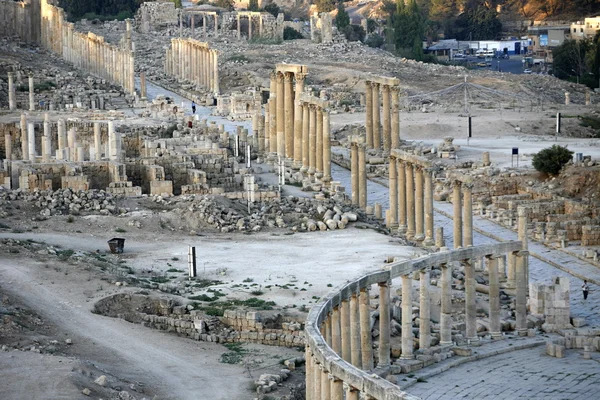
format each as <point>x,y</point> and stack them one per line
<point>116,245</point>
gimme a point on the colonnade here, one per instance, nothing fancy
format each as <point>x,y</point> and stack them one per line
<point>411,196</point>
<point>250,15</point>
<point>285,115</point>
<point>88,51</point>
<point>204,14</point>
<point>67,146</point>
<point>194,61</point>
<point>20,19</point>
<point>339,351</point>
<point>382,133</point>
<point>358,171</point>
<point>462,201</point>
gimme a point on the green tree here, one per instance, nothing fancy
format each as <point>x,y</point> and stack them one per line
<point>552,159</point>
<point>290,33</point>
<point>272,9</point>
<point>342,19</point>
<point>569,59</point>
<point>325,5</point>
<point>253,5</point>
<point>409,29</point>
<point>226,4</point>
<point>478,23</point>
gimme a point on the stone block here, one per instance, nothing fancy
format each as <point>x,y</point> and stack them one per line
<point>560,351</point>
<point>579,322</point>
<point>409,366</point>
<point>550,349</point>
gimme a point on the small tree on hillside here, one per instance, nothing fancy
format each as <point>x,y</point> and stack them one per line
<point>325,5</point>
<point>552,159</point>
<point>253,5</point>
<point>342,19</point>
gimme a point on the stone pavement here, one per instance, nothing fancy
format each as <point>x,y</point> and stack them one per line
<point>524,374</point>
<point>544,263</point>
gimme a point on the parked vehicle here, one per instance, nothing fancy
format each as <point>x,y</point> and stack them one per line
<point>527,71</point>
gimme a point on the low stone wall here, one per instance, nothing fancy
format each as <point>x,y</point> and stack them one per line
<point>590,235</point>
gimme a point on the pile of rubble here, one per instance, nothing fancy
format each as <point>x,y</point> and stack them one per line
<point>66,201</point>
<point>297,213</point>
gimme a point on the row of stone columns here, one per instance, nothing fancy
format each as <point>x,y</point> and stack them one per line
<point>358,172</point>
<point>249,15</point>
<point>194,61</point>
<point>382,133</point>
<point>411,199</point>
<point>88,51</point>
<point>67,147</point>
<point>462,201</point>
<point>12,99</point>
<point>20,19</point>
<point>347,330</point>
<point>204,15</point>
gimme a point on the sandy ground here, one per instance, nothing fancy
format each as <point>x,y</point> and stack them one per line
<point>166,365</point>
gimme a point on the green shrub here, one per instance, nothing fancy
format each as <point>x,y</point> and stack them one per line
<point>552,159</point>
<point>290,33</point>
<point>273,9</point>
<point>354,33</point>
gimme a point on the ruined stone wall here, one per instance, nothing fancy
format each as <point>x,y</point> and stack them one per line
<point>10,129</point>
<point>153,15</point>
<point>590,235</point>
<point>20,18</point>
<point>272,27</point>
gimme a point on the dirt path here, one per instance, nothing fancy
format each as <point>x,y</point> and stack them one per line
<point>177,368</point>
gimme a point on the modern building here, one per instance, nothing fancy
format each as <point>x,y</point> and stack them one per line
<point>586,29</point>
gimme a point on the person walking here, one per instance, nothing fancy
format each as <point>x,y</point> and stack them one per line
<point>193,107</point>
<point>585,289</point>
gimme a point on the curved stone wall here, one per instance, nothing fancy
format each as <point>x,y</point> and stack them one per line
<point>339,351</point>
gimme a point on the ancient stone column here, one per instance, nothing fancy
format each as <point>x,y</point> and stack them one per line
<point>289,114</point>
<point>419,206</point>
<point>354,331</point>
<point>384,324</point>
<point>410,202</point>
<point>215,72</point>
<point>97,142</point>
<point>312,140</point>
<point>457,217</point>
<point>446,309</point>
<point>401,173</point>
<point>46,144</point>
<point>376,117</point>
<point>352,393</point>
<point>298,121</point>
<point>470,298</point>
<point>8,146</point>
<point>31,94</point>
<point>143,85</point>
<point>393,193</point>
<point>309,372</point>
<point>24,138</point>
<point>325,385</point>
<point>326,148</point>
<point>522,226</point>
<point>424,310</point>
<point>494,293</point>
<point>204,25</point>
<point>387,123</point>
<point>395,117</point>
<point>362,177</point>
<point>366,346</point>
<point>12,103</point>
<point>511,278</point>
<point>336,333</point>
<point>354,172</point>
<point>261,133</point>
<point>305,138</point>
<point>239,28</point>
<point>467,214</point>
<point>327,326</point>
<point>337,388</point>
<point>522,265</point>
<point>317,380</point>
<point>31,141</point>
<point>369,113</point>
<point>407,333</point>
<point>567,98</point>
<point>588,98</point>
<point>345,328</point>
<point>280,116</point>
<point>273,113</point>
<point>428,189</point>
<point>319,150</point>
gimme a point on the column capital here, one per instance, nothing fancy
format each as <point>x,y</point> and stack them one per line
<point>288,77</point>
<point>300,76</point>
<point>368,83</point>
<point>522,211</point>
<point>395,89</point>
<point>467,186</point>
<point>375,85</point>
<point>456,183</point>
<point>384,283</point>
<point>385,88</point>
<point>273,74</point>
<point>279,77</point>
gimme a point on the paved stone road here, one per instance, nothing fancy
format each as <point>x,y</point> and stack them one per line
<point>526,374</point>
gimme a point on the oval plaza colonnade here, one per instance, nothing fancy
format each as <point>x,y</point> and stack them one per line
<point>339,348</point>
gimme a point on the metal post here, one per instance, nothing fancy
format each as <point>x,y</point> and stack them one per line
<point>192,261</point>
